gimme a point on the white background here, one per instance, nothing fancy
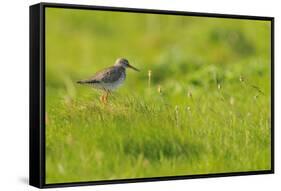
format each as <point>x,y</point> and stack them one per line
<point>14,71</point>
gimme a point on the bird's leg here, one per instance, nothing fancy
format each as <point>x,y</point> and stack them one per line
<point>106,95</point>
<point>102,97</point>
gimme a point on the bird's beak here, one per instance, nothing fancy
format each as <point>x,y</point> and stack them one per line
<point>130,66</point>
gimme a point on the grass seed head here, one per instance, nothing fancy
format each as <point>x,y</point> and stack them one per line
<point>219,86</point>
<point>241,78</point>
<point>159,89</point>
<point>149,73</point>
<point>149,77</point>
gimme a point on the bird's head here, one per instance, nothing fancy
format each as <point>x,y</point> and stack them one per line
<point>124,63</point>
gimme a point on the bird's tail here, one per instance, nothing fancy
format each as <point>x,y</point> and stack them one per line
<point>87,81</point>
<point>80,82</point>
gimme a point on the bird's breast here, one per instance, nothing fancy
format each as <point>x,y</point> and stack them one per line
<point>115,84</point>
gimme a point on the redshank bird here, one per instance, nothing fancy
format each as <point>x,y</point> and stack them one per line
<point>110,78</point>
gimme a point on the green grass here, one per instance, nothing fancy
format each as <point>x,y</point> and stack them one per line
<point>205,120</point>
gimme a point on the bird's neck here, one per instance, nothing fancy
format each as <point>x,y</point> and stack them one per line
<point>121,67</point>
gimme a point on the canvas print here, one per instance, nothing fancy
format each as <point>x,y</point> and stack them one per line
<point>132,95</point>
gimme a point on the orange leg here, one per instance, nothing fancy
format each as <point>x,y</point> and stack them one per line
<point>104,96</point>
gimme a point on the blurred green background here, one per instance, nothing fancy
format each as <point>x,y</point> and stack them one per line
<point>207,109</point>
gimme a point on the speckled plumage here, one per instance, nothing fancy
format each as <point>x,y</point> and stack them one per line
<point>109,78</point>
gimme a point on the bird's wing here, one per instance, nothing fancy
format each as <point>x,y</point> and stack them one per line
<point>111,74</point>
<point>107,75</point>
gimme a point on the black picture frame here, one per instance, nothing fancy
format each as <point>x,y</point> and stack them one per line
<point>37,94</point>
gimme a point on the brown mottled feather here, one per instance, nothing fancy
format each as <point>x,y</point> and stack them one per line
<point>107,75</point>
